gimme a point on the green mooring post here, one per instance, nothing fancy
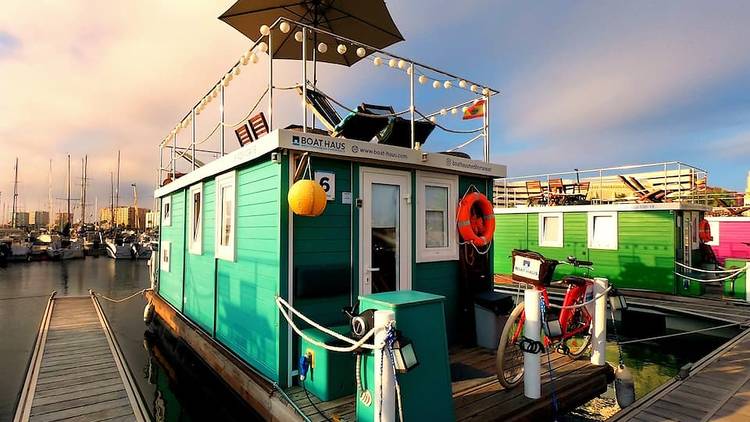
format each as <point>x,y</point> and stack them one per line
<point>426,389</point>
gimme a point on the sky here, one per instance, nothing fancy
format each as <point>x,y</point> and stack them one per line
<point>583,84</point>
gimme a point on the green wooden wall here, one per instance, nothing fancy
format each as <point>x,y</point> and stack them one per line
<point>170,282</point>
<point>200,270</point>
<point>644,258</point>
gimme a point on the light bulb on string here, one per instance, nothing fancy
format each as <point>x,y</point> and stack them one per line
<point>341,49</point>
<point>443,112</point>
<point>322,48</point>
<point>392,63</point>
<point>265,30</point>
<point>464,108</point>
<point>485,92</point>
<point>433,119</point>
<point>253,58</point>
<point>237,71</point>
<point>409,70</point>
<point>377,61</point>
<point>401,64</point>
<point>436,84</point>
<point>462,84</point>
<point>262,47</point>
<point>361,52</point>
<point>422,79</point>
<point>473,88</point>
<point>447,84</point>
<point>284,27</point>
<point>454,110</point>
<point>298,36</point>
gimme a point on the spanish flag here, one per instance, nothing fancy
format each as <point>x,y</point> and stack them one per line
<point>476,110</point>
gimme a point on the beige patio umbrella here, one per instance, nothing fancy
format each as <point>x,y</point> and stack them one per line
<point>366,21</point>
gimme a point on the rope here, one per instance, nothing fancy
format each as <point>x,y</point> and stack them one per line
<point>733,275</point>
<point>364,394</point>
<point>450,130</point>
<point>682,334</point>
<point>581,305</point>
<point>390,338</point>
<point>313,403</point>
<point>700,270</point>
<point>333,100</point>
<point>281,303</point>
<point>120,300</point>
<point>466,143</point>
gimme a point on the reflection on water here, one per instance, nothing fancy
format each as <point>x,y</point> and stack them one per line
<point>171,394</point>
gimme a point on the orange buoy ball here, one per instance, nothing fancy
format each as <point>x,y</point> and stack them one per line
<point>307,198</point>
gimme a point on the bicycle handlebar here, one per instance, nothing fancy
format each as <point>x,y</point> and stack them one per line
<point>578,262</point>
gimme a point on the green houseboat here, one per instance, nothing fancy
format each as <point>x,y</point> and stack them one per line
<point>639,224</point>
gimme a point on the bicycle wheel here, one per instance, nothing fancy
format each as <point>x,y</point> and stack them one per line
<point>578,344</point>
<point>509,358</point>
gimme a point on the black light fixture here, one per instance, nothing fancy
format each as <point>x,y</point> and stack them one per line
<point>405,358</point>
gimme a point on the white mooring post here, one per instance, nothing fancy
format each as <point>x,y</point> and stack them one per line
<point>384,383</point>
<point>532,327</point>
<point>599,334</point>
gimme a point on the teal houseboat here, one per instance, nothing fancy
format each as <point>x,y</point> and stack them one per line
<point>640,224</point>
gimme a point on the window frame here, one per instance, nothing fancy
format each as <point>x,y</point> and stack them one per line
<point>195,246</point>
<point>225,252</point>
<point>590,230</point>
<point>715,233</point>
<point>449,252</point>
<point>166,217</point>
<point>558,243</point>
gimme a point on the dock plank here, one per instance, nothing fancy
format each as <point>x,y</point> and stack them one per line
<point>78,373</point>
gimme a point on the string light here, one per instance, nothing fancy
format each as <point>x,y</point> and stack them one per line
<point>464,108</point>
<point>322,48</point>
<point>462,84</point>
<point>436,84</point>
<point>265,30</point>
<point>361,52</point>
<point>422,79</point>
<point>215,92</point>
<point>454,110</point>
<point>401,64</point>
<point>284,27</point>
<point>433,119</point>
<point>237,71</point>
<point>298,36</point>
<point>447,84</point>
<point>443,112</point>
<point>341,49</point>
<point>473,88</point>
<point>253,58</point>
<point>377,61</point>
<point>485,92</point>
<point>392,63</point>
<point>262,47</point>
<point>409,70</point>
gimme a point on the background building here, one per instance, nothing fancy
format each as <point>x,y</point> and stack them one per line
<point>152,219</point>
<point>124,217</point>
<point>62,218</point>
<point>39,219</point>
<point>22,219</point>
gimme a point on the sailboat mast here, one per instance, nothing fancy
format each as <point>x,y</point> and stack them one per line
<point>68,191</point>
<point>84,165</point>
<point>117,186</point>
<point>111,200</point>
<point>49,197</point>
<point>135,205</point>
<point>15,196</point>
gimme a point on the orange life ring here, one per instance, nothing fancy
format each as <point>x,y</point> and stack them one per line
<point>704,231</point>
<point>476,219</point>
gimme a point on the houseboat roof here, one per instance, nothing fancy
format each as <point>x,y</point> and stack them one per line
<point>362,152</point>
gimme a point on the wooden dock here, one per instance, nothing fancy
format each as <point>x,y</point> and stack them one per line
<point>478,396</point>
<point>77,372</point>
<point>717,388</point>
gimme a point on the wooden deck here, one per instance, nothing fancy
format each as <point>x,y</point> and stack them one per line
<point>478,396</point>
<point>76,372</point>
<point>716,389</point>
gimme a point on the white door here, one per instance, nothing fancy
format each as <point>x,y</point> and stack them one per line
<point>385,231</point>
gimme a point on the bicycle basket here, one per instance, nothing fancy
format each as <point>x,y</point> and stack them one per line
<point>532,267</point>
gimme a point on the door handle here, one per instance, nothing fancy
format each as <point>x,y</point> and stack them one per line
<point>373,269</point>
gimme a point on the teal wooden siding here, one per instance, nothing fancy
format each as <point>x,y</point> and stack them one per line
<point>442,278</point>
<point>644,258</point>
<point>247,320</point>
<point>322,252</point>
<point>170,282</point>
<point>200,270</point>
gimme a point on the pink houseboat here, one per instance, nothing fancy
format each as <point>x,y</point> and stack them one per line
<point>731,237</point>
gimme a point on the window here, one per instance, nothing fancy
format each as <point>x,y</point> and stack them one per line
<point>714,225</point>
<point>551,230</point>
<point>195,222</point>
<point>225,216</point>
<point>166,211</point>
<point>437,198</point>
<point>166,250</point>
<point>602,230</point>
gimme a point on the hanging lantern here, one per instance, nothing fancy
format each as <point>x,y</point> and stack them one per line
<point>377,61</point>
<point>447,84</point>
<point>298,36</point>
<point>284,27</point>
<point>265,30</point>
<point>322,48</point>
<point>422,79</point>
<point>307,198</point>
<point>462,84</point>
<point>436,84</point>
<point>341,49</point>
<point>361,52</point>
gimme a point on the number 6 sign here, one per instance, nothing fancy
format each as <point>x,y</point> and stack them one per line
<point>328,181</point>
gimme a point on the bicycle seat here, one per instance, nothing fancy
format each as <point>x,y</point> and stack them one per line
<point>572,280</point>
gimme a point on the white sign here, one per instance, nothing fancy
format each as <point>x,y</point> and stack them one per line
<point>346,197</point>
<point>328,181</point>
<point>526,267</point>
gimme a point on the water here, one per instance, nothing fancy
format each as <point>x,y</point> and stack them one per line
<point>183,390</point>
<point>173,391</point>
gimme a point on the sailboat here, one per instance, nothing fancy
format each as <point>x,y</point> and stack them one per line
<point>66,248</point>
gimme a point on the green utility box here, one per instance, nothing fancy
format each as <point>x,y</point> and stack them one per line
<point>426,389</point>
<point>738,288</point>
<point>331,375</point>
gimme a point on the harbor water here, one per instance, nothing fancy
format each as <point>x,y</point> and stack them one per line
<point>177,387</point>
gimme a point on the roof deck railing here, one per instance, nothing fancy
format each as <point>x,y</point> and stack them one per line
<point>186,153</point>
<point>671,181</point>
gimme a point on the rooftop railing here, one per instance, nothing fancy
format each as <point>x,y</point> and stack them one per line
<point>671,181</point>
<point>178,155</point>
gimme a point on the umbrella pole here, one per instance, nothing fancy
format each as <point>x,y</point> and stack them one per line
<point>304,80</point>
<point>270,82</point>
<point>315,65</point>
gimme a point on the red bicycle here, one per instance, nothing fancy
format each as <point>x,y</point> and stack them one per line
<point>568,332</point>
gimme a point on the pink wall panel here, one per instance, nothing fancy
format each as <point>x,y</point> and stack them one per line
<point>732,234</point>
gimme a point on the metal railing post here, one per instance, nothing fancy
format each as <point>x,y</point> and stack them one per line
<point>679,178</point>
<point>174,158</point>
<point>665,178</point>
<point>411,103</point>
<point>221,117</point>
<point>601,187</point>
<point>161,166</point>
<point>486,129</point>
<point>304,80</point>
<point>192,118</point>
<point>270,82</point>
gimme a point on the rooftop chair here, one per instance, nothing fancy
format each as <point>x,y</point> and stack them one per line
<point>535,193</point>
<point>733,211</point>
<point>398,131</point>
<point>258,125</point>
<point>356,125</point>
<point>659,195</point>
<point>583,188</point>
<point>556,192</point>
<point>243,135</point>
<point>641,193</point>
